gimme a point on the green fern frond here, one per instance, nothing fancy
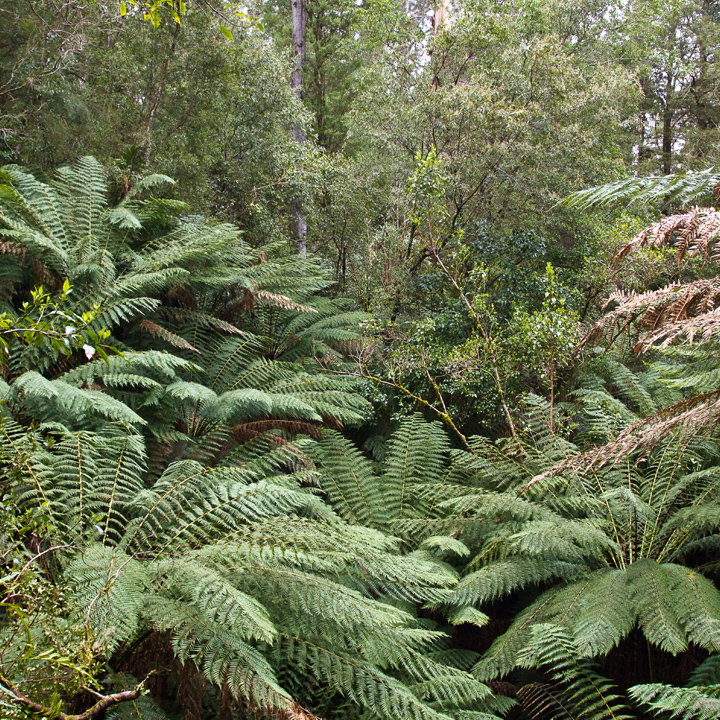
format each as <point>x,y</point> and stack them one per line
<point>415,456</point>
<point>349,481</point>
<point>590,696</point>
<point>652,585</point>
<point>217,598</point>
<point>504,576</point>
<point>223,657</point>
<point>682,188</point>
<point>685,703</point>
<point>111,586</point>
<point>358,680</point>
<point>707,673</point>
<point>502,656</point>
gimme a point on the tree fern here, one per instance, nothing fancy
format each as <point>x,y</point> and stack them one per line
<point>231,563</point>
<point>133,266</point>
<point>608,543</point>
<point>681,313</point>
<point>707,673</point>
<point>177,503</point>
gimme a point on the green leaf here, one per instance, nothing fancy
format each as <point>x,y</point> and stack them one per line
<point>225,32</point>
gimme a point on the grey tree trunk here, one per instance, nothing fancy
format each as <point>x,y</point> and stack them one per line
<point>299,21</point>
<point>441,17</point>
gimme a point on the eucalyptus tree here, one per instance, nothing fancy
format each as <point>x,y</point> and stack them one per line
<point>670,47</point>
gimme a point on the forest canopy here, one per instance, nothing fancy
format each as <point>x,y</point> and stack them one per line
<point>359,360</point>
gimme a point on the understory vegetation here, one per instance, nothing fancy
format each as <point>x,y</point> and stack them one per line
<point>359,360</point>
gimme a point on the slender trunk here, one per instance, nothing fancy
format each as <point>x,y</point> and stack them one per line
<point>155,102</point>
<point>299,224</point>
<point>552,396</point>
<point>667,138</point>
<point>492,354</point>
<point>299,22</point>
<point>667,142</point>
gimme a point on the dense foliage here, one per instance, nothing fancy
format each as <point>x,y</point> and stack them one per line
<point>449,452</point>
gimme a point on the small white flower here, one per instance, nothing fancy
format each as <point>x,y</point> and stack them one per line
<point>89,351</point>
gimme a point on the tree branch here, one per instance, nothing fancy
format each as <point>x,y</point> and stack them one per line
<point>99,707</point>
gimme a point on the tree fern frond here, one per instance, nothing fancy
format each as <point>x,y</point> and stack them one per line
<point>502,656</point>
<point>591,696</point>
<point>223,657</point>
<point>679,188</point>
<point>217,598</point>
<point>110,586</point>
<point>56,400</point>
<point>35,203</point>
<point>605,614</point>
<point>707,673</point>
<point>348,479</point>
<point>676,311</point>
<point>145,183</point>
<point>696,602</point>
<point>684,703</point>
<point>657,610</point>
<point>360,681</point>
<point>187,506</point>
<point>695,230</point>
<point>509,574</point>
<point>83,189</point>
<point>162,366</point>
<point>542,700</point>
<point>414,456</point>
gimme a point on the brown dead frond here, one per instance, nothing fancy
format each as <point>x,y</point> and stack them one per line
<point>541,700</point>
<point>282,301</point>
<point>197,317</point>
<point>677,311</point>
<point>250,298</point>
<point>9,248</point>
<point>683,312</point>
<point>247,301</point>
<point>247,431</point>
<point>171,337</point>
<point>687,418</point>
<point>184,295</point>
<point>502,687</point>
<point>294,712</point>
<point>695,231</point>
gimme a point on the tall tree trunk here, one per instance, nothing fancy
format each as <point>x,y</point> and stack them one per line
<point>441,17</point>
<point>159,89</point>
<point>667,141</point>
<point>299,20</point>
<point>667,120</point>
